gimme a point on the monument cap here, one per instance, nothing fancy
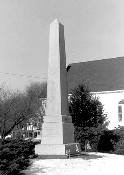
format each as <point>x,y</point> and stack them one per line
<point>56,20</point>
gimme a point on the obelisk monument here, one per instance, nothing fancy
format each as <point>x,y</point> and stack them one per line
<point>57,130</point>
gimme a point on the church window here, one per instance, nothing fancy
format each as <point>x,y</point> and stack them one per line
<point>120,110</point>
<point>119,113</point>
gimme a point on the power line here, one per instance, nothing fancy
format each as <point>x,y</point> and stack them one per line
<point>23,75</point>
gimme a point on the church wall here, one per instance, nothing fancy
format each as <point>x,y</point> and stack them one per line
<point>110,101</point>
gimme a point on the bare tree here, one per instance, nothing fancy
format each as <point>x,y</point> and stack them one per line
<point>16,109</point>
<point>36,93</point>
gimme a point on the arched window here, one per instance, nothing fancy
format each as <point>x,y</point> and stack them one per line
<point>120,110</point>
<point>119,113</point>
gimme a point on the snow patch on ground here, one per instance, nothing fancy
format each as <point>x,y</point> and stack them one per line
<point>93,164</point>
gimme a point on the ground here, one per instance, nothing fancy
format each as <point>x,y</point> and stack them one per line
<point>91,164</point>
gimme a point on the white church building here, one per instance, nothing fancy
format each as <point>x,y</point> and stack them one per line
<point>105,79</point>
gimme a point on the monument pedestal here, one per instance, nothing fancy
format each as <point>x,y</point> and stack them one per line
<point>57,137</point>
<point>50,149</point>
<point>58,149</point>
<point>57,130</point>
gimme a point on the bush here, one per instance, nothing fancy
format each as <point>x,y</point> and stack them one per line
<point>108,141</point>
<point>119,147</point>
<point>14,155</point>
<point>90,135</point>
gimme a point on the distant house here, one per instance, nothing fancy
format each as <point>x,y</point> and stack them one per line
<point>105,79</point>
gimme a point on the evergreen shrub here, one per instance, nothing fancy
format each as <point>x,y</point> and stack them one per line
<point>15,155</point>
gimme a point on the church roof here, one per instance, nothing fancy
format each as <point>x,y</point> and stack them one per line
<point>99,75</point>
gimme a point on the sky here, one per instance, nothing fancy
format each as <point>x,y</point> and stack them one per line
<point>94,29</point>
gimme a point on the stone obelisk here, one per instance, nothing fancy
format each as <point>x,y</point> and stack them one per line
<point>57,130</point>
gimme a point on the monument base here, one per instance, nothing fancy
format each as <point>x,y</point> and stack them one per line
<point>58,149</point>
